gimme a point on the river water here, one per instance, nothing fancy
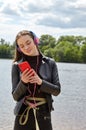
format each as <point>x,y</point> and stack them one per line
<point>69,107</point>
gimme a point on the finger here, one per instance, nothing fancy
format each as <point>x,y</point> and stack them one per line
<point>34,72</point>
<point>31,72</point>
<point>33,79</point>
<point>25,72</point>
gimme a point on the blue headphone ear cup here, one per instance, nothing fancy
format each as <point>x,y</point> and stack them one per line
<point>17,47</point>
<point>36,39</point>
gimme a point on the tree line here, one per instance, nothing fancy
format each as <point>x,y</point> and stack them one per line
<point>70,49</point>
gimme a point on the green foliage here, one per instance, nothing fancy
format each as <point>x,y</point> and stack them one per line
<point>73,39</point>
<point>72,54</point>
<point>66,52</point>
<point>48,40</point>
<point>66,49</point>
<point>83,53</point>
<point>6,50</point>
<point>49,52</point>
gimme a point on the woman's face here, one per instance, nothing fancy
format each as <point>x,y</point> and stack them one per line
<point>27,45</point>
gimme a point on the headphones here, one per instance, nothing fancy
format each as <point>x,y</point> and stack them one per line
<point>35,38</point>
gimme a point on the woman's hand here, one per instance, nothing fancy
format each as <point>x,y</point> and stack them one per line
<point>30,76</point>
<point>35,78</point>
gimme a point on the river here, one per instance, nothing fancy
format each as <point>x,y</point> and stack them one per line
<point>69,107</point>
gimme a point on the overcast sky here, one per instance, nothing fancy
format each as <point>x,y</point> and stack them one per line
<point>54,17</point>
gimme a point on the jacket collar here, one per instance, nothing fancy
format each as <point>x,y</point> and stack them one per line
<point>44,58</point>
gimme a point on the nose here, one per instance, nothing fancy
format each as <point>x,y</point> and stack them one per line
<point>26,47</point>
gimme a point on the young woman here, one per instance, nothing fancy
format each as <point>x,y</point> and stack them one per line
<point>33,89</point>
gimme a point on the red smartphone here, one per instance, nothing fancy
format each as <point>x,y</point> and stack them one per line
<point>24,65</point>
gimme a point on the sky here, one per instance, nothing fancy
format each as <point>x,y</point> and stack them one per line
<point>53,17</point>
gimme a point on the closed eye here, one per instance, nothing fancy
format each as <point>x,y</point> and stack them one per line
<point>28,43</point>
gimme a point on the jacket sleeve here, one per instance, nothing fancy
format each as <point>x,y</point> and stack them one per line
<point>54,86</point>
<point>18,87</point>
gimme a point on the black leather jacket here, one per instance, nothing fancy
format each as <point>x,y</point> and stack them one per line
<point>50,84</point>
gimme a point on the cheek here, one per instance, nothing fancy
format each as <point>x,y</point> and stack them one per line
<point>23,51</point>
<point>33,46</point>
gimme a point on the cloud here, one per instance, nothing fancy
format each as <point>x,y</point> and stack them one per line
<point>65,15</point>
<point>44,16</point>
<point>62,14</point>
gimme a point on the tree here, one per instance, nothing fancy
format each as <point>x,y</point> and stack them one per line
<point>47,40</point>
<point>75,40</point>
<point>2,41</point>
<point>6,50</point>
<point>65,49</point>
<point>66,52</point>
<point>83,53</point>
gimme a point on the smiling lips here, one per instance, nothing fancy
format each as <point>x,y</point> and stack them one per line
<point>28,50</point>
